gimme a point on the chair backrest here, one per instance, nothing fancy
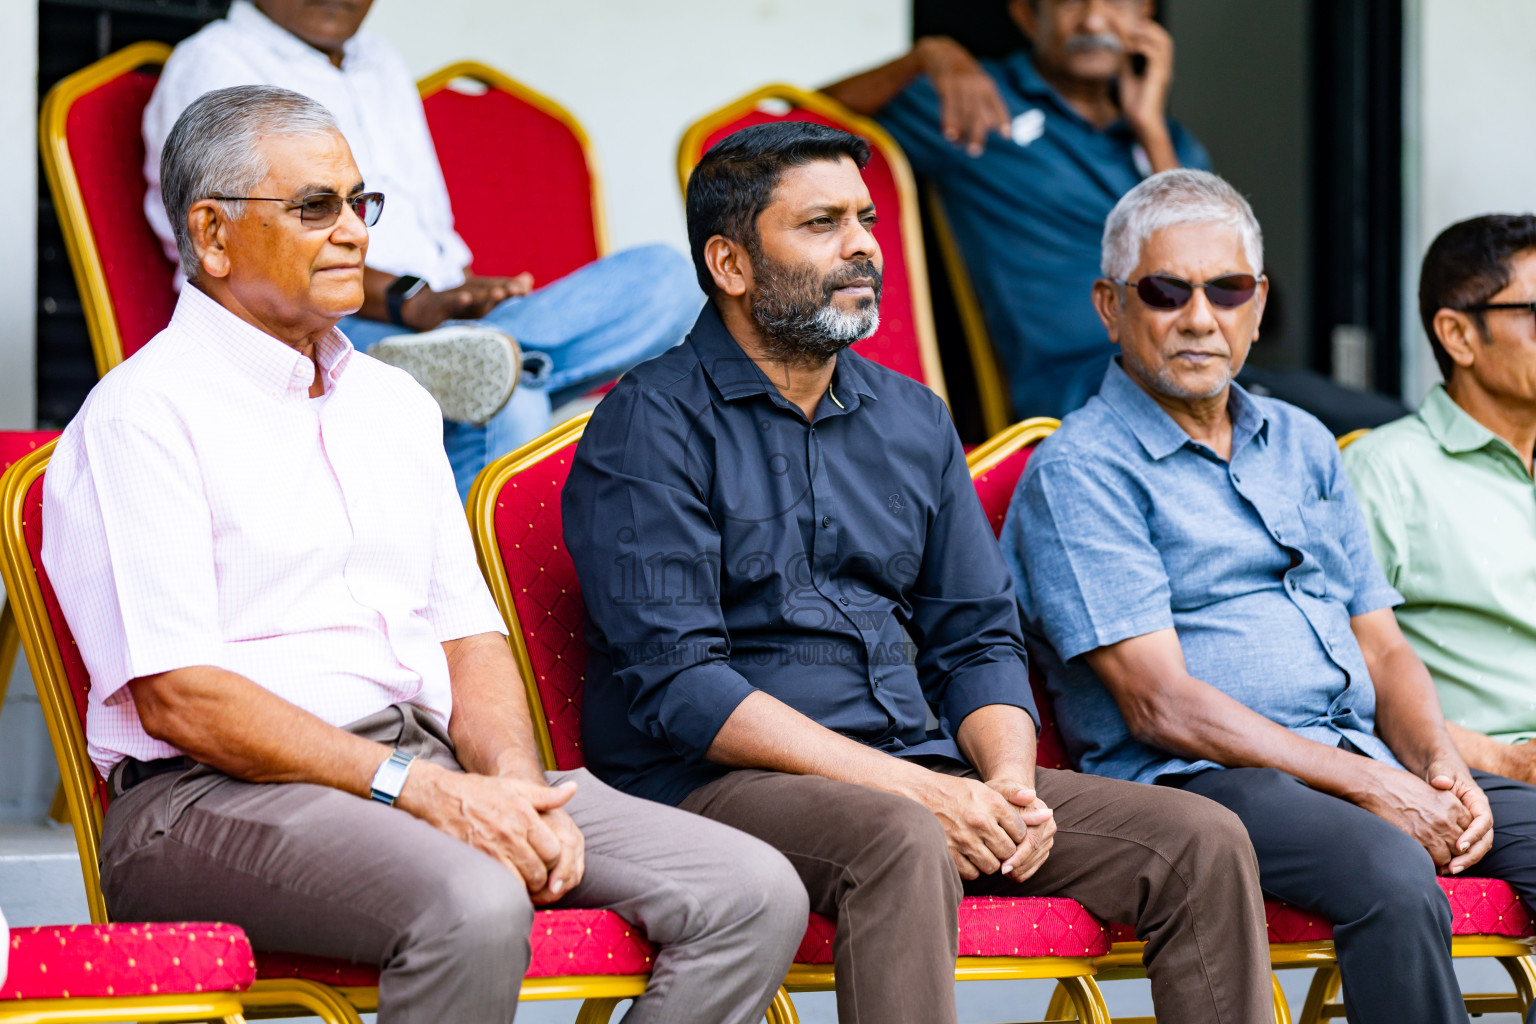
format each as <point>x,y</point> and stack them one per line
<point>514,511</point>
<point>93,155</point>
<point>521,173</point>
<point>63,684</point>
<point>1350,438</point>
<point>996,467</point>
<point>906,341</point>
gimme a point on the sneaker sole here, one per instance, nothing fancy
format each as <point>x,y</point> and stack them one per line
<point>471,372</point>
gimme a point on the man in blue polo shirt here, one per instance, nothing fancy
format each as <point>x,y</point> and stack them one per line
<point>1029,155</point>
<point>1198,582</point>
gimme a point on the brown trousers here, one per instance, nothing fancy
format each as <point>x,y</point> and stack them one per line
<point>1179,869</point>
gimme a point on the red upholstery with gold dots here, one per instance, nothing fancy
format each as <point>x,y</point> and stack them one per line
<point>96,960</point>
<point>546,595</point>
<point>16,443</point>
<point>997,926</point>
<point>564,942</point>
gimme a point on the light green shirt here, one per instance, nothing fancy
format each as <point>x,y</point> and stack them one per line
<point>1452,514</point>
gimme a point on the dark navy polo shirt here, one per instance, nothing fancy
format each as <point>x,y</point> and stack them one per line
<point>1028,215</point>
<point>724,545</point>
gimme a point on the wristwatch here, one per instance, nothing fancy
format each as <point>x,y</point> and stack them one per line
<point>389,780</point>
<point>400,291</point>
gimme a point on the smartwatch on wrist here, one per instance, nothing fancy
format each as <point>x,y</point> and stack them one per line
<point>400,291</point>
<point>389,780</point>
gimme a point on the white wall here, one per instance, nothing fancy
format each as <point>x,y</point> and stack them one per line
<point>18,182</point>
<point>636,74</point>
<point>1469,139</point>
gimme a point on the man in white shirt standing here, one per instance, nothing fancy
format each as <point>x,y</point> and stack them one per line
<point>255,539</point>
<point>587,328</point>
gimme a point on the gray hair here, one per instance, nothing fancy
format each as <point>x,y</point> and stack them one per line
<point>1179,196</point>
<point>214,150</point>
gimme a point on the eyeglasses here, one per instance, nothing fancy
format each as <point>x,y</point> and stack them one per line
<point>1483,307</point>
<point>1164,291</point>
<point>320,209</point>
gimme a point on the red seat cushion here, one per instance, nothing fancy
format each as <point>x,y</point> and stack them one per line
<point>1479,906</point>
<point>95,960</point>
<point>564,942</point>
<point>995,926</point>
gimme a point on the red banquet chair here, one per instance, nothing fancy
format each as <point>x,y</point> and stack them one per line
<point>515,517</point>
<point>521,173</point>
<point>591,955</point>
<point>906,341</point>
<point>81,974</point>
<point>1488,918</point>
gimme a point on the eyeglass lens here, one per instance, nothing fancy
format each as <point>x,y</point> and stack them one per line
<point>1164,291</point>
<point>322,208</point>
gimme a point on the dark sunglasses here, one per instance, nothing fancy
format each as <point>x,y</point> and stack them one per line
<point>320,209</point>
<point>1164,291</point>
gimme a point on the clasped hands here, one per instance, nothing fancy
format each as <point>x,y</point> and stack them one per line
<point>997,827</point>
<point>520,822</point>
<point>1448,814</point>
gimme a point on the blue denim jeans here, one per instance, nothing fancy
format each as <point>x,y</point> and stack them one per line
<point>593,324</point>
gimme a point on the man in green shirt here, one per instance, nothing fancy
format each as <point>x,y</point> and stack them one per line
<point>1449,496</point>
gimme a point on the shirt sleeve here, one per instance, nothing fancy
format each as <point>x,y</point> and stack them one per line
<point>458,601</point>
<point>913,120</point>
<point>964,619</point>
<point>128,540</point>
<point>1382,507</point>
<point>647,554</point>
<point>1082,539</point>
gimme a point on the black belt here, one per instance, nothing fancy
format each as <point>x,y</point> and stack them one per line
<point>131,771</point>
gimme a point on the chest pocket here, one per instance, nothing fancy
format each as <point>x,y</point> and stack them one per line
<point>1327,520</point>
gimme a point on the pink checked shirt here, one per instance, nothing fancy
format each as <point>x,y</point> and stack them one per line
<point>202,509</point>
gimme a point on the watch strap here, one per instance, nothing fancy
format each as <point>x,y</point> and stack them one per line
<point>389,780</point>
<point>400,290</point>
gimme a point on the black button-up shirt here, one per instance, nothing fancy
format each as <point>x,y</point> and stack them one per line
<point>724,545</point>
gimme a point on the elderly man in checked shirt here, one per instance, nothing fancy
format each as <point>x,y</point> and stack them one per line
<point>255,538</point>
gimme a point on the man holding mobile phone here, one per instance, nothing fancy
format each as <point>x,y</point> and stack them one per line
<point>1029,154</point>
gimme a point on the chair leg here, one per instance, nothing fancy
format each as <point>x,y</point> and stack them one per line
<point>1062,1006</point>
<point>321,1000</point>
<point>782,1009</point>
<point>1325,985</point>
<point>1087,999</point>
<point>1282,1007</point>
<point>596,1011</point>
<point>1522,971</point>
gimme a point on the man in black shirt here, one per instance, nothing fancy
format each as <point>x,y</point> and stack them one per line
<point>786,569</point>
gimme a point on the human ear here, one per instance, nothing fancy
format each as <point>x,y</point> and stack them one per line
<point>728,264</point>
<point>1458,335</point>
<point>1109,303</point>
<point>207,226</point>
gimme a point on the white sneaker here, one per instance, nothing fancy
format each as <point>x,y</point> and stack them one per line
<point>471,371</point>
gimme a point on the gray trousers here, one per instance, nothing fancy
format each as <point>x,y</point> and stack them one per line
<point>309,869</point>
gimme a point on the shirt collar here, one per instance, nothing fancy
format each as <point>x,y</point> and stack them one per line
<point>1029,83</point>
<point>1451,425</point>
<point>736,376</point>
<point>1159,435</point>
<point>245,16</point>
<point>272,365</point>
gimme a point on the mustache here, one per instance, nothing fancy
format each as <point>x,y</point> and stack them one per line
<point>857,271</point>
<point>1094,41</point>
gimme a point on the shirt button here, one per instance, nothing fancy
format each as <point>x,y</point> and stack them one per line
<point>1236,479</point>
<point>1291,583</point>
<point>826,521</point>
<point>844,600</point>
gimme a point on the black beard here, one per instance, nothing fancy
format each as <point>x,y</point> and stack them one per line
<point>788,301</point>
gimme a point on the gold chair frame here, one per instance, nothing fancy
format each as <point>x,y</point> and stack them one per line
<point>691,149</point>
